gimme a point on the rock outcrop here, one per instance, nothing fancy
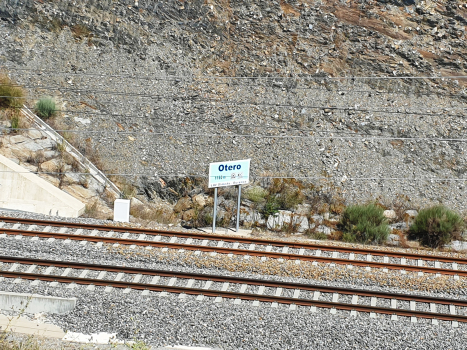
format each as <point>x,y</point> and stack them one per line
<point>152,85</point>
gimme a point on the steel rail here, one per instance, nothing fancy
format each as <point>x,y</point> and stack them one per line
<point>311,246</point>
<point>236,295</point>
<point>230,279</point>
<point>223,250</point>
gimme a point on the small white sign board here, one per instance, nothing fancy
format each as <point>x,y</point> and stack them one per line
<point>122,210</point>
<point>232,173</point>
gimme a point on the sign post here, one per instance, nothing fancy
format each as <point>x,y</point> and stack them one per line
<point>231,173</point>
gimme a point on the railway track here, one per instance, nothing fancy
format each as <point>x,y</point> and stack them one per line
<point>71,274</point>
<point>232,245</point>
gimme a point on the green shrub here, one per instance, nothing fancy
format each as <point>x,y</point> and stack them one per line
<point>15,122</point>
<point>288,193</point>
<point>317,235</point>
<point>45,108</point>
<point>290,197</point>
<point>436,226</point>
<point>11,95</point>
<point>364,224</point>
<point>271,207</point>
<point>348,237</point>
<point>256,194</point>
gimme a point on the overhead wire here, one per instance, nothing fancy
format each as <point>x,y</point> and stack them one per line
<point>155,174</point>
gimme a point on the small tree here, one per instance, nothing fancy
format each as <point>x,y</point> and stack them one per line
<point>364,224</point>
<point>45,108</point>
<point>436,226</point>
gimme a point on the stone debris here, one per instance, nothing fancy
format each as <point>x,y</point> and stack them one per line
<point>155,81</point>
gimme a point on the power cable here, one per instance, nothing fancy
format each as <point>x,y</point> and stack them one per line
<point>253,176</point>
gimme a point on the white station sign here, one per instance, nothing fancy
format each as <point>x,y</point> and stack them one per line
<point>232,173</point>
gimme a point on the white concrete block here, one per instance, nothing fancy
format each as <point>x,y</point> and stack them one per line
<point>122,210</point>
<point>35,303</point>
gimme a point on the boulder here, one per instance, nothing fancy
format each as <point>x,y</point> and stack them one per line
<point>324,229</point>
<point>135,202</point>
<point>18,139</point>
<point>183,204</point>
<point>248,215</point>
<point>200,200</point>
<point>457,245</point>
<point>389,214</point>
<point>398,226</point>
<point>393,240</point>
<point>188,215</point>
<point>32,146</point>
<point>276,222</point>
<point>80,193</point>
<point>20,153</point>
<point>409,216</point>
<point>34,134</point>
<point>316,220</point>
<point>51,166</point>
<point>46,143</point>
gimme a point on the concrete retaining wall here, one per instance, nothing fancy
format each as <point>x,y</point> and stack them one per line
<point>23,190</point>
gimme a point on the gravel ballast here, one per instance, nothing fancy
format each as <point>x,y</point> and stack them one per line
<point>169,320</point>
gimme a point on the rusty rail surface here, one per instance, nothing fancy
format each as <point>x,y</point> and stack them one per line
<point>235,295</point>
<point>245,240</point>
<point>223,250</point>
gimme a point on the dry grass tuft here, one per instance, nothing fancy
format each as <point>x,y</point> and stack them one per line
<point>149,213</point>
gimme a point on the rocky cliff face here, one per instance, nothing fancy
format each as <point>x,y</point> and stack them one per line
<point>164,88</point>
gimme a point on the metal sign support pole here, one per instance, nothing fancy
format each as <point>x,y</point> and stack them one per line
<point>214,215</point>
<point>238,205</point>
